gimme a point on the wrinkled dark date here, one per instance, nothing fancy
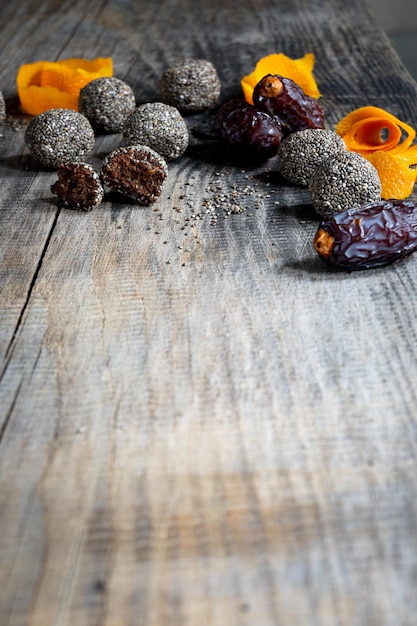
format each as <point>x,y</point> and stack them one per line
<point>254,133</point>
<point>373,235</point>
<point>284,99</point>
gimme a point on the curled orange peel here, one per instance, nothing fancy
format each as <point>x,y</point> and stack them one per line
<point>387,143</point>
<point>299,70</point>
<point>374,134</point>
<point>48,85</point>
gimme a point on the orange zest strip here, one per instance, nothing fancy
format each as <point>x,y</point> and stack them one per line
<point>48,85</point>
<point>386,142</point>
<point>373,134</point>
<point>299,70</point>
<point>363,121</point>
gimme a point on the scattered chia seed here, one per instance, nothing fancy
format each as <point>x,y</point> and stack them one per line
<point>190,85</point>
<point>135,171</point>
<point>159,126</point>
<point>58,136</point>
<point>78,186</point>
<point>107,102</point>
<point>2,109</point>
<point>345,182</point>
<point>301,152</point>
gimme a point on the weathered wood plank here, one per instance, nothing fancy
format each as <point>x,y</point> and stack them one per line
<point>200,423</point>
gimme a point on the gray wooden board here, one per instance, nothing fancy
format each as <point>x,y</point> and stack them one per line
<point>200,423</point>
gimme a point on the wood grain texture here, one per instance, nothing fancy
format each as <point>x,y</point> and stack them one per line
<point>201,424</point>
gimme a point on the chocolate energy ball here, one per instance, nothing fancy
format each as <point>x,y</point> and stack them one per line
<point>159,126</point>
<point>301,152</point>
<point>190,85</point>
<point>2,109</point>
<point>135,171</point>
<point>107,102</point>
<point>345,182</point>
<point>58,136</point>
<point>78,186</point>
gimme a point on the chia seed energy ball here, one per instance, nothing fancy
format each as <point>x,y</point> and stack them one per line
<point>301,152</point>
<point>159,126</point>
<point>136,171</point>
<point>78,186</point>
<point>58,136</point>
<point>190,85</point>
<point>345,182</point>
<point>2,109</point>
<point>107,102</point>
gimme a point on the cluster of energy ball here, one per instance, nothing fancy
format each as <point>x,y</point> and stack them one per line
<point>283,123</point>
<point>336,178</point>
<point>153,134</point>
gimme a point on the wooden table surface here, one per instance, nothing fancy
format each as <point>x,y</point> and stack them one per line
<point>201,423</point>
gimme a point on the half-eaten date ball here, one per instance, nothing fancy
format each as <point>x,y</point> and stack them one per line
<point>78,186</point>
<point>137,172</point>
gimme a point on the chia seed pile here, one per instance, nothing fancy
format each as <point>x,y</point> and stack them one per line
<point>192,206</point>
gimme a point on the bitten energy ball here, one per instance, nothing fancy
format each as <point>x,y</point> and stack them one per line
<point>2,109</point>
<point>58,136</point>
<point>107,102</point>
<point>190,85</point>
<point>78,186</point>
<point>301,152</point>
<point>137,172</point>
<point>159,126</point>
<point>344,182</point>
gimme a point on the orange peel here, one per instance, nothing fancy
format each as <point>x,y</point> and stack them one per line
<point>396,176</point>
<point>387,142</point>
<point>373,134</point>
<point>48,85</point>
<point>359,130</point>
<point>299,70</point>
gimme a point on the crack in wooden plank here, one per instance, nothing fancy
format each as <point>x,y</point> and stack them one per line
<point>29,292</point>
<point>3,427</point>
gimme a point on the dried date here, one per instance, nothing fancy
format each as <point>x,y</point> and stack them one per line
<point>285,100</point>
<point>253,133</point>
<point>373,235</point>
